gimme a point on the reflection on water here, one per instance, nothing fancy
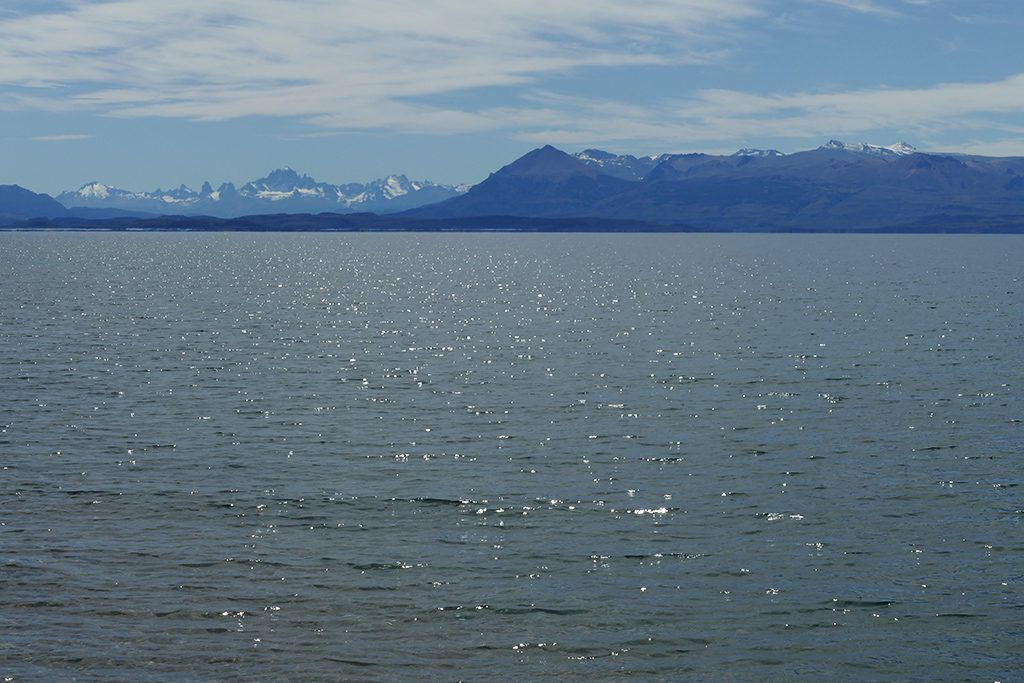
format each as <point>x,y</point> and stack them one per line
<point>441,457</point>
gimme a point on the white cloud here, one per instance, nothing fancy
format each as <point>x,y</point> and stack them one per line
<point>721,119</point>
<point>64,137</point>
<point>994,148</point>
<point>936,106</point>
<point>347,64</point>
<point>865,6</point>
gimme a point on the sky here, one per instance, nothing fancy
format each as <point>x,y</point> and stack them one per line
<point>142,94</point>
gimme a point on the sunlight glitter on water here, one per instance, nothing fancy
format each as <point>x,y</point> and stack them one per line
<point>397,456</point>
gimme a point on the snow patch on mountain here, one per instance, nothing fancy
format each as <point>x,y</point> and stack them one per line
<point>625,166</point>
<point>748,152</point>
<point>96,193</point>
<point>898,149</point>
<point>395,186</point>
<point>94,190</point>
<point>903,148</point>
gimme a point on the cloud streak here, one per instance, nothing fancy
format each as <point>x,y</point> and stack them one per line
<point>335,62</point>
<point>864,6</point>
<point>65,137</point>
<point>722,118</point>
<point>413,67</point>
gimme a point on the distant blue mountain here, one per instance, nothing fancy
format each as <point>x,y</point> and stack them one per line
<point>17,203</point>
<point>837,187</point>
<point>545,182</point>
<point>280,191</point>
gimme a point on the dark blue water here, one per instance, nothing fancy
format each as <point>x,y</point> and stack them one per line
<point>511,457</point>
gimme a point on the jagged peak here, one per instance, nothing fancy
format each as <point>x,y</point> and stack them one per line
<point>285,172</point>
<point>281,184</point>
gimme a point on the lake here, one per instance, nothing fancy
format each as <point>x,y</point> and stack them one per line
<point>441,457</point>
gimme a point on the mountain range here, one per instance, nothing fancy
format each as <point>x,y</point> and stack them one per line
<point>837,187</point>
<point>281,191</point>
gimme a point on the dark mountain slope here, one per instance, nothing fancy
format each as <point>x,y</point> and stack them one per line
<point>835,187</point>
<point>545,182</point>
<point>17,203</point>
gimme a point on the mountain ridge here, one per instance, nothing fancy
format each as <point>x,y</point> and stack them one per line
<point>283,190</point>
<point>836,187</point>
<point>18,203</point>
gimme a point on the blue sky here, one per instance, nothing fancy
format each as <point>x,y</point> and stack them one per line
<point>143,93</point>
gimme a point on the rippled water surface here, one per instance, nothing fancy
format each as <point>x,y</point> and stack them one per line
<point>511,457</point>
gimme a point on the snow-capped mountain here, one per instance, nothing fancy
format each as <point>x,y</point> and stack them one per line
<point>281,191</point>
<point>624,166</point>
<point>747,152</point>
<point>899,149</point>
<point>284,184</point>
<point>95,192</point>
<point>837,188</point>
<point>629,167</point>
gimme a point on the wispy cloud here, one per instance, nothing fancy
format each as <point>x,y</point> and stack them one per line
<point>65,137</point>
<point>414,67</point>
<point>1004,147</point>
<point>716,118</point>
<point>865,6</point>
<point>936,106</point>
<point>339,63</point>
